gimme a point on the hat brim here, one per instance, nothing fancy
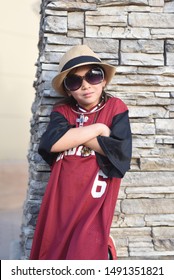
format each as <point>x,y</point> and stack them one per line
<point>57,82</point>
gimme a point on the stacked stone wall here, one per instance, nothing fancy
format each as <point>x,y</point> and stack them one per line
<point>137,36</point>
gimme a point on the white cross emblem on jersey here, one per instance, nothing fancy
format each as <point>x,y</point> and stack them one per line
<point>82,119</point>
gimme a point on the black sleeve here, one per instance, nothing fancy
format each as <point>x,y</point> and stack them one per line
<point>57,127</point>
<point>117,147</point>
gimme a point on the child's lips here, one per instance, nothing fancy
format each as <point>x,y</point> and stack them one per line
<point>87,94</point>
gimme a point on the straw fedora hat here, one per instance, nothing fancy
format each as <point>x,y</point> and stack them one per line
<point>77,56</point>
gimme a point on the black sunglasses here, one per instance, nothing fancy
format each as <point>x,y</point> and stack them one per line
<point>94,76</point>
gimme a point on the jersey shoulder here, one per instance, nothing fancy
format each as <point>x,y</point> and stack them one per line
<point>116,105</point>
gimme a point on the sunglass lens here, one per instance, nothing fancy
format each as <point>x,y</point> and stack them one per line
<point>95,76</point>
<point>73,82</point>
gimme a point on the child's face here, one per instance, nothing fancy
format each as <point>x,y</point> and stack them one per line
<point>87,95</point>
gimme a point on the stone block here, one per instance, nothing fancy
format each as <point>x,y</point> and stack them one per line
<point>49,92</point>
<point>63,42</point>
<point>151,20</point>
<point>122,252</point>
<point>170,59</point>
<point>157,71</point>
<point>171,107</point>
<point>160,33</point>
<point>164,244</point>
<point>163,232</point>
<point>48,75</point>
<point>71,6</point>
<point>55,13</point>
<point>76,27</point>
<point>118,20</point>
<point>51,57</point>
<point>161,178</point>
<point>136,33</point>
<point>165,126</point>
<point>145,80</point>
<point>40,176</point>
<point>141,247</point>
<point>110,46</point>
<point>143,128</point>
<point>149,190</point>
<point>44,110</point>
<point>142,59</point>
<point>157,164</point>
<point>152,101</point>
<point>49,67</point>
<point>157,255</point>
<point>159,220</point>
<point>122,194</point>
<point>54,48</point>
<point>170,52</point>
<point>140,238</point>
<point>143,141</point>
<point>124,2</point>
<point>113,8</point>
<point>169,7</point>
<point>147,206</point>
<point>117,209</point>
<point>28,244</point>
<point>148,111</point>
<point>75,33</point>
<point>128,221</point>
<point>129,233</point>
<point>103,31</point>
<point>37,188</point>
<point>146,195</point>
<point>170,46</point>
<point>121,242</point>
<point>76,21</point>
<point>117,32</point>
<point>56,24</point>
<point>158,3</point>
<point>156,152</point>
<point>165,139</point>
<point>142,46</point>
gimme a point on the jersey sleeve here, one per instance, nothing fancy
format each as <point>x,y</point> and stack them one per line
<point>57,127</point>
<point>117,147</point>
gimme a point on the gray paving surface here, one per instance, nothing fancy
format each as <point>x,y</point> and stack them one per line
<point>13,187</point>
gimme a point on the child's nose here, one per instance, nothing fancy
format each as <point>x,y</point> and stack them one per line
<point>85,84</point>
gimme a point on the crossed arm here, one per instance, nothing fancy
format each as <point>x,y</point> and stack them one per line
<point>116,144</point>
<point>86,136</point>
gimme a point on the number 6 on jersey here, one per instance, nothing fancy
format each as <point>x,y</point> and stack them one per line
<point>99,187</point>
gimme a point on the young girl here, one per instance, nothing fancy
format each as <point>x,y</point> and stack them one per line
<point>88,146</point>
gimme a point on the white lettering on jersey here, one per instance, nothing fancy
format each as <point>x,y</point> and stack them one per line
<point>70,152</point>
<point>60,156</point>
<point>74,151</point>
<point>99,186</point>
<point>78,153</point>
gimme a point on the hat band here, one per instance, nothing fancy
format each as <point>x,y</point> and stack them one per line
<point>79,60</point>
